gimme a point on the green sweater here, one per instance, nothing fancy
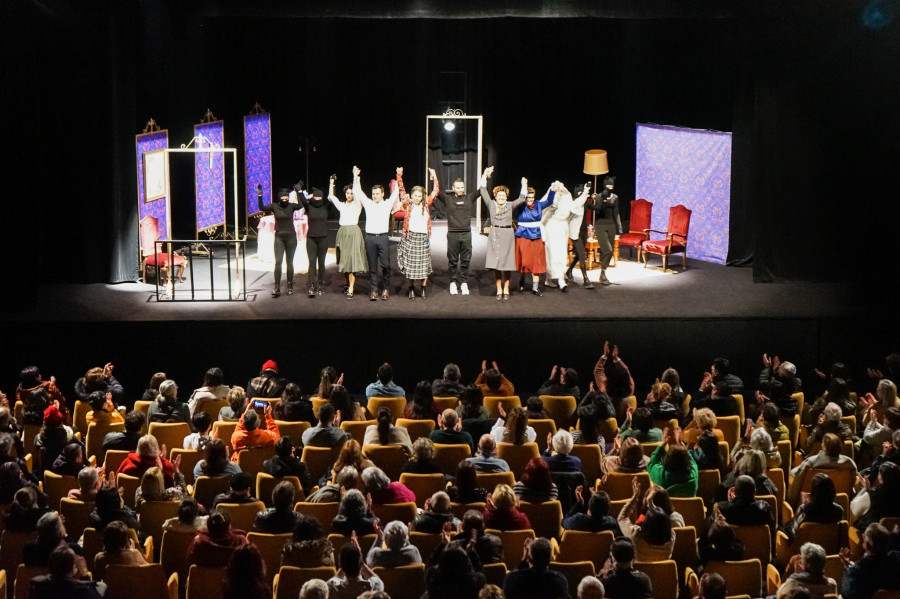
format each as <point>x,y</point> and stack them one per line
<point>681,486</point>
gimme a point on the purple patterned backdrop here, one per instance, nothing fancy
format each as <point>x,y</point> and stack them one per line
<point>258,159</point>
<point>209,182</point>
<point>147,142</point>
<point>691,167</point>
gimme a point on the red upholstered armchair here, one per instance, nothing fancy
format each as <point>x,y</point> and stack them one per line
<point>159,261</point>
<point>676,237</point>
<point>638,225</point>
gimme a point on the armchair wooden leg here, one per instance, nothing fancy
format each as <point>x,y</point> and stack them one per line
<point>181,274</point>
<point>665,258</point>
<point>684,261</point>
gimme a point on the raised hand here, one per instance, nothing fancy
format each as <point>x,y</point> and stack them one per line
<point>356,171</point>
<point>340,380</point>
<point>549,441</point>
<point>524,182</point>
<point>606,349</point>
<point>258,189</point>
<point>767,361</point>
<point>578,493</point>
<point>400,170</point>
<point>635,486</point>
<point>488,172</point>
<point>433,174</point>
<point>501,409</point>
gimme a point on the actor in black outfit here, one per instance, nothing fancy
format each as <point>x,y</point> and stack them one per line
<point>316,207</point>
<point>607,225</point>
<point>458,205</point>
<point>285,236</point>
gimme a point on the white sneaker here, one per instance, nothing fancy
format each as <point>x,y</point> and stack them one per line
<point>464,289</point>
<point>453,288</point>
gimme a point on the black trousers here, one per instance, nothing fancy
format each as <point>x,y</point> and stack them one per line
<point>580,255</point>
<point>459,254</point>
<point>285,246</point>
<point>377,253</point>
<point>606,239</point>
<point>316,249</point>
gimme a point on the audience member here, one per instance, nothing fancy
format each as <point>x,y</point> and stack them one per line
<point>436,513</point>
<point>450,385</point>
<point>384,432</point>
<point>591,516</point>
<point>118,550</point>
<point>268,384</point>
<point>285,463</point>
<point>502,510</point>
<point>214,389</point>
<point>281,517</point>
<point>492,382</point>
<point>240,491</point>
<point>384,385</point>
<point>245,576</point>
<point>308,547</point>
<point>422,460</point>
<point>533,579</point>
<point>126,440</point>
<point>391,547</point>
<point>619,578</point>
<point>293,407</point>
<point>484,460</point>
<point>167,407</point>
<point>215,461</point>
<point>327,433</point>
<point>354,515</point>
<point>449,430</point>
<point>354,577</point>
<point>247,434</point>
<point>213,547</point>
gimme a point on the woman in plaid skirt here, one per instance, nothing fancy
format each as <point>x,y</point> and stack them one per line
<point>414,255</point>
<point>501,255</point>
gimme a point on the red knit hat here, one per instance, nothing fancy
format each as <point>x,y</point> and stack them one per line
<point>52,416</point>
<point>270,365</point>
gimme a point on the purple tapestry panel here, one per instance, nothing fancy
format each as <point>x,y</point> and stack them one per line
<point>147,142</point>
<point>209,177</point>
<point>258,159</point>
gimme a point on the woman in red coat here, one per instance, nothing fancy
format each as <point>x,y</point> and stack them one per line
<point>502,510</point>
<point>147,456</point>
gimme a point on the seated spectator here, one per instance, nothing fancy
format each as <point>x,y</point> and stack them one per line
<point>502,510</point>
<point>213,547</point>
<point>627,457</point>
<point>421,406</point>
<point>658,402</point>
<point>350,455</point>
<point>561,461</point>
<point>380,488</point>
<point>118,550</point>
<point>99,379</point>
<point>533,579</point>
<point>677,396</point>
<point>147,456</point>
<point>612,377</point>
<point>778,381</point>
<point>281,517</point>
<point>213,389</point>
<point>828,457</point>
<point>484,460</point>
<point>562,381</point>
<point>385,386</point>
<point>167,407</point>
<point>153,487</point>
<point>829,422</point>
<point>53,436</point>
<point>876,434</point>
<point>103,410</point>
<point>769,419</point>
<point>752,464</point>
<point>215,462</point>
<point>838,392</point>
<point>318,589</point>
<point>24,512</point>
<point>13,478</point>
<point>385,433</point>
<point>818,506</point>
<point>591,516</point>
<point>449,430</point>
<point>719,544</point>
<point>347,477</point>
<point>513,427</point>
<point>809,574</point>
<point>436,514</point>
<point>285,463</point>
<point>450,385</point>
<point>618,575</point>
<point>450,574</point>
<point>705,452</point>
<point>720,399</point>
<point>36,403</point>
<point>9,426</point>
<point>465,488</point>
<point>245,576</point>
<point>29,381</point>
<point>293,407</point>
<point>354,577</point>
<point>188,519</point>
<point>674,469</point>
<point>704,420</point>
<point>759,440</point>
<point>590,587</point>
<point>51,534</point>
<point>202,424</point>
<point>268,384</point>
<point>879,501</point>
<point>127,440</point>
<point>536,485</point>
<point>742,508</point>
<point>237,403</point>
<point>422,459</point>
<point>878,568</point>
<point>109,507</point>
<point>890,452</point>
<point>659,497</point>
<point>354,515</point>
<point>886,393</point>
<point>471,405</point>
<point>328,432</point>
<point>152,389</point>
<point>247,433</point>
<point>68,577</point>
<point>309,547</point>
<point>654,537</point>
<point>70,461</point>
<point>240,491</point>
<point>492,383</point>
<point>391,547</point>
<point>596,404</point>
<point>639,424</point>
<point>712,586</point>
<point>534,408</point>
<point>344,405</point>
<point>488,547</point>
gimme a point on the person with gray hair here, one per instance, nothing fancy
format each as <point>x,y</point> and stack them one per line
<point>88,484</point>
<point>167,407</point>
<point>485,460</point>
<point>347,477</point>
<point>809,573</point>
<point>314,589</point>
<point>878,568</point>
<point>778,381</point>
<point>51,534</point>
<point>561,461</point>
<point>533,579</point>
<point>829,422</point>
<point>450,385</point>
<point>382,490</point>
<point>449,430</point>
<point>399,552</point>
<point>354,515</point>
<point>437,512</point>
<point>590,587</point>
<point>147,456</point>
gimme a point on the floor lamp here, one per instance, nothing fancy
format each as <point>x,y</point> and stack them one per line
<point>595,163</point>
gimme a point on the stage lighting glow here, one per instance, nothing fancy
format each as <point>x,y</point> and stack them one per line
<point>449,125</point>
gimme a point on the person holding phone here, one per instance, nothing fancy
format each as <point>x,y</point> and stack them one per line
<point>248,434</point>
<point>285,235</point>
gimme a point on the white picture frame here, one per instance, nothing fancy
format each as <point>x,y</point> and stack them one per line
<point>156,175</point>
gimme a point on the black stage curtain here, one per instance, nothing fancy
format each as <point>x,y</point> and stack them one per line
<point>810,97</point>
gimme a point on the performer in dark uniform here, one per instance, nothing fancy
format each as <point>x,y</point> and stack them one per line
<point>607,225</point>
<point>316,207</point>
<point>285,235</point>
<point>458,205</point>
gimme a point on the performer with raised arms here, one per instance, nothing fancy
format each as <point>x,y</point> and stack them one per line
<point>378,222</point>
<point>414,254</point>
<point>501,254</point>
<point>285,235</point>
<point>458,205</point>
<point>350,246</point>
<point>316,207</point>
<point>530,254</point>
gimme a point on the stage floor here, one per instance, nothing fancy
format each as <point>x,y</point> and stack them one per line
<point>703,290</point>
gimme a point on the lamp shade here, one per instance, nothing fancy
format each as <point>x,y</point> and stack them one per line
<point>596,162</point>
